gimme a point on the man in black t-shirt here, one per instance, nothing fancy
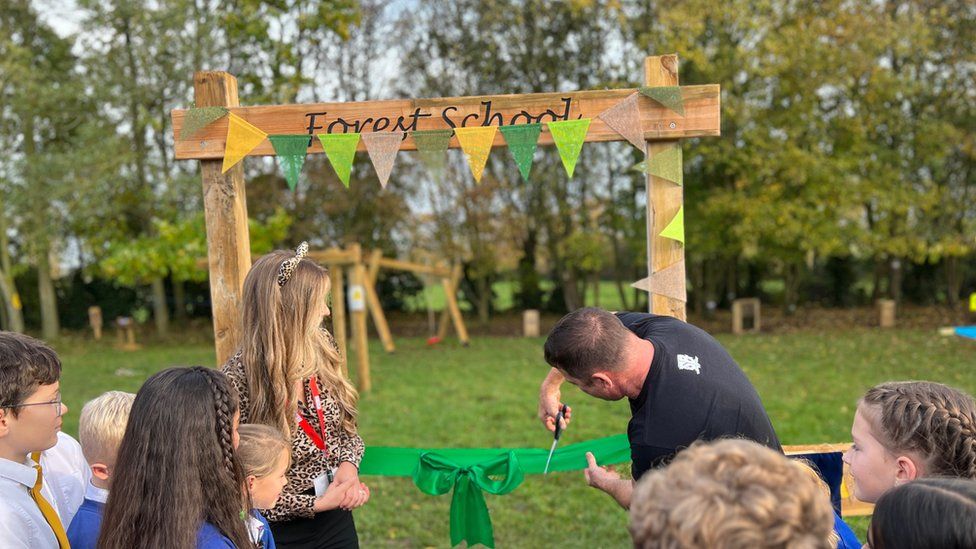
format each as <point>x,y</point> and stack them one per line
<point>682,384</point>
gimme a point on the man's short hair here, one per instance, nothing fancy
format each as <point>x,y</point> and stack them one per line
<point>585,341</point>
<point>25,364</point>
<point>102,425</point>
<point>730,493</point>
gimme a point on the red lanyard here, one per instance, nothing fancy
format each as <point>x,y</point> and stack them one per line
<point>318,440</point>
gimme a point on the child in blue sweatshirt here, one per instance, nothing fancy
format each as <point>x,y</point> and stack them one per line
<point>101,427</point>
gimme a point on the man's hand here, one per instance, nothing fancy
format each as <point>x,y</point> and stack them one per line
<point>599,477</point>
<point>549,401</point>
<point>609,481</point>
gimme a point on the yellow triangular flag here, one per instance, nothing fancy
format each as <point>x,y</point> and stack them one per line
<point>476,143</point>
<point>242,137</point>
<point>676,228</point>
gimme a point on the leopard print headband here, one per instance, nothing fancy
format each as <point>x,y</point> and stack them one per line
<point>288,265</point>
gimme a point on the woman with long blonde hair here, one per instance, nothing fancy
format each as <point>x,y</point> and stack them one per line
<point>288,375</point>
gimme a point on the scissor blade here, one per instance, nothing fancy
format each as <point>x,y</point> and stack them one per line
<point>551,450</point>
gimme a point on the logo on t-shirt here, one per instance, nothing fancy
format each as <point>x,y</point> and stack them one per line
<point>686,362</point>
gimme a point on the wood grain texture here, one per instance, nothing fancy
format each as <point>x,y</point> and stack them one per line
<point>701,117</point>
<point>664,199</point>
<point>339,314</point>
<point>225,211</point>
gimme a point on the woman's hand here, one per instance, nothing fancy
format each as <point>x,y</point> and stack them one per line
<point>334,495</point>
<point>358,494</point>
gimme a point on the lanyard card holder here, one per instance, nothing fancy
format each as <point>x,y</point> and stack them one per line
<point>322,482</point>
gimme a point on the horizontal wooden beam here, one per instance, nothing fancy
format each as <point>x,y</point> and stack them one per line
<point>418,268</point>
<point>824,448</point>
<point>701,105</point>
<point>335,256</point>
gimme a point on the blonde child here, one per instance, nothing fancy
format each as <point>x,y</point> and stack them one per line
<point>265,455</point>
<point>727,494</point>
<point>100,431</point>
<point>908,430</point>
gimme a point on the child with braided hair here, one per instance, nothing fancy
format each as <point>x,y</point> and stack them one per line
<point>177,480</point>
<point>907,430</point>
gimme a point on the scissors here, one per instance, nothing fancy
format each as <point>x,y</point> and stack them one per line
<point>555,440</point>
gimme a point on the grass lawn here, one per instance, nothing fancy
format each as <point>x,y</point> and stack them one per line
<point>485,396</point>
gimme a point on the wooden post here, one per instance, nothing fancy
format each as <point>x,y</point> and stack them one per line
<point>360,341</point>
<point>375,308</point>
<point>444,323</point>
<point>225,211</point>
<point>126,333</point>
<point>339,314</point>
<point>664,198</point>
<point>95,320</point>
<point>452,308</point>
<point>739,308</point>
<point>530,323</point>
<point>886,312</point>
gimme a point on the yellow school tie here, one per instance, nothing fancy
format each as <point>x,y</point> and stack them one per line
<point>50,515</point>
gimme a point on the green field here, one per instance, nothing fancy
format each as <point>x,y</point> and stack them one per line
<point>485,396</point>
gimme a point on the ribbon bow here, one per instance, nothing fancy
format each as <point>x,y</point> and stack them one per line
<point>436,475</point>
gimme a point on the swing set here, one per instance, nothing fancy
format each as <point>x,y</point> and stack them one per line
<point>362,298</point>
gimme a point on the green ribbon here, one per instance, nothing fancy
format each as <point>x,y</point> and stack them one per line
<point>436,475</point>
<point>469,471</point>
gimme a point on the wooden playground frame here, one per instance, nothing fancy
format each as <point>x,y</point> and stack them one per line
<point>364,274</point>
<point>225,202</point>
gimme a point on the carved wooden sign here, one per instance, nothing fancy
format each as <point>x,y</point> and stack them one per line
<point>701,105</point>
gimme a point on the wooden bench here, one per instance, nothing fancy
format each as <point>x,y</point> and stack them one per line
<point>849,505</point>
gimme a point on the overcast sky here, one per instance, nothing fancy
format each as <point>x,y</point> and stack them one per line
<point>62,15</point>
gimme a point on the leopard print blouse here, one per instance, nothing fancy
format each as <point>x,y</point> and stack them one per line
<point>307,461</point>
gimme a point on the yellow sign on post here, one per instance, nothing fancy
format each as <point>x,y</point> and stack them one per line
<point>972,302</point>
<point>357,298</point>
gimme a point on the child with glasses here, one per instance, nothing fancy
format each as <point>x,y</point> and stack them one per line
<point>30,419</point>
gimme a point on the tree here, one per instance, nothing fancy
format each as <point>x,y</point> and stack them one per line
<point>47,139</point>
<point>516,46</point>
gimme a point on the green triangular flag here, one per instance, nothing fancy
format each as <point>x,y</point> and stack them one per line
<point>290,150</point>
<point>197,119</point>
<point>676,229</point>
<point>522,140</point>
<point>340,148</point>
<point>665,164</point>
<point>669,96</point>
<point>569,136</point>
<point>432,146</point>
